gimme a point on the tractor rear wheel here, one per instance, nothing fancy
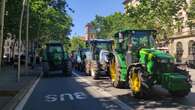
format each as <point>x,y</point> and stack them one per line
<point>94,70</point>
<point>45,67</point>
<point>68,68</point>
<point>138,84</point>
<point>115,73</point>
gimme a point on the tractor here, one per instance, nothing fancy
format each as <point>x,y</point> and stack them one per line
<point>80,59</point>
<point>136,63</point>
<point>96,59</point>
<point>55,58</point>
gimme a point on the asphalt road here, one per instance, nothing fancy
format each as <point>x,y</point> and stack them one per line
<point>81,92</point>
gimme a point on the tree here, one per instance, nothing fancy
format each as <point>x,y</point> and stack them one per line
<point>191,14</point>
<point>161,15</point>
<point>107,26</point>
<point>47,21</point>
<point>54,22</point>
<point>76,43</point>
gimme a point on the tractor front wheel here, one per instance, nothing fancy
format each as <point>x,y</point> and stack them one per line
<point>87,68</point>
<point>94,70</point>
<point>137,83</point>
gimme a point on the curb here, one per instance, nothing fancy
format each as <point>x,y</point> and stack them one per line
<point>20,95</point>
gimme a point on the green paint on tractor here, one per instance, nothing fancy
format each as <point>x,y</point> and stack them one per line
<point>123,66</point>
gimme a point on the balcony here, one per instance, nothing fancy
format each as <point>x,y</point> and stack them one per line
<point>184,34</point>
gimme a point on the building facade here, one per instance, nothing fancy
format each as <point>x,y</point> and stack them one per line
<point>11,48</point>
<point>90,32</point>
<point>182,46</point>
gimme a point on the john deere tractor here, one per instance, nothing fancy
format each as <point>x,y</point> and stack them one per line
<point>96,60</point>
<point>135,62</point>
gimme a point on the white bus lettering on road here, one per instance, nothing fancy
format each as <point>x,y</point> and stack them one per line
<point>62,96</point>
<point>65,96</point>
<point>80,95</point>
<point>51,98</point>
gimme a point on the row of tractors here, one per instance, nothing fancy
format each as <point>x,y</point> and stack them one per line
<point>131,59</point>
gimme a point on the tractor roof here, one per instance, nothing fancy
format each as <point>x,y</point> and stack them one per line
<point>100,41</point>
<point>127,31</point>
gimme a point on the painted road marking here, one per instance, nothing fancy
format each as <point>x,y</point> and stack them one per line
<point>65,96</point>
<point>104,93</point>
<point>20,106</point>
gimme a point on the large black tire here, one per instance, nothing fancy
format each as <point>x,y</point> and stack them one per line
<point>68,68</point>
<point>138,83</point>
<point>94,70</point>
<point>45,67</point>
<point>179,94</point>
<point>115,73</point>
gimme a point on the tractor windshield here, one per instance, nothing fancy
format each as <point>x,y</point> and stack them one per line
<point>142,40</point>
<point>55,48</point>
<point>105,46</point>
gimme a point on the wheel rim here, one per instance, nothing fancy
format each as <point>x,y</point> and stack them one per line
<point>113,71</point>
<point>135,82</point>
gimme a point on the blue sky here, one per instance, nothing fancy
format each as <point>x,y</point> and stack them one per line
<point>85,11</point>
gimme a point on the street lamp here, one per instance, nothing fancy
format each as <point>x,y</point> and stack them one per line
<point>2,29</point>
<point>27,37</point>
<point>20,34</point>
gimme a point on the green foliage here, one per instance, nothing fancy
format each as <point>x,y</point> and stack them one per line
<point>76,43</point>
<point>107,26</point>
<point>53,21</point>
<point>161,15</point>
<point>12,19</point>
<point>48,21</point>
<point>157,14</point>
<point>191,14</point>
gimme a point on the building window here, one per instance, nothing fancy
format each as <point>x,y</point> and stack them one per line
<point>179,51</point>
<point>191,47</point>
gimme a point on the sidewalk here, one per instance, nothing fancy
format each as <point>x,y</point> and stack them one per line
<point>10,87</point>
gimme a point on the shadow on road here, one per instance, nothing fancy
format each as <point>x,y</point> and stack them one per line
<point>160,100</point>
<point>97,101</point>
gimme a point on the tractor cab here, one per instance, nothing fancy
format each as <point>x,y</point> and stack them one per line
<point>100,47</point>
<point>130,42</point>
<point>99,51</point>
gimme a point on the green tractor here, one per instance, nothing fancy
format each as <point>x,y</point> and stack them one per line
<point>55,58</point>
<point>135,62</point>
<point>97,58</point>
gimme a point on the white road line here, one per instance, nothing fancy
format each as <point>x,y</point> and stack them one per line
<point>106,94</point>
<point>20,106</point>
